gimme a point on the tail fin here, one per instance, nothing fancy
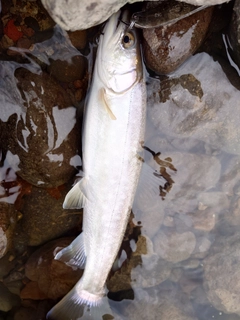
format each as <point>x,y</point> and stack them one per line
<point>80,304</point>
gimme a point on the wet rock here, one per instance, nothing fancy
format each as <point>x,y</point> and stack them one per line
<point>43,140</point>
<point>49,278</point>
<point>7,299</point>
<point>185,113</point>
<point>75,15</point>
<point>8,219</point>
<point>234,32</point>
<point>166,48</point>
<point>221,275</point>
<point>78,38</point>
<point>66,72</point>
<point>174,247</point>
<point>44,218</point>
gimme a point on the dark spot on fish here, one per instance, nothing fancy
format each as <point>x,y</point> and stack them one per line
<point>92,6</point>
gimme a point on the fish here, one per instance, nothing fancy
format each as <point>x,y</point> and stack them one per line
<point>114,126</point>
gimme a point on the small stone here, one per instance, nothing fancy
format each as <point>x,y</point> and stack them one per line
<point>78,94</point>
<point>174,247</point>
<point>24,43</point>
<point>28,32</point>
<point>203,219</point>
<point>6,42</point>
<point>12,31</point>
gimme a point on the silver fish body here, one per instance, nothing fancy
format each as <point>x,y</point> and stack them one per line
<point>113,131</point>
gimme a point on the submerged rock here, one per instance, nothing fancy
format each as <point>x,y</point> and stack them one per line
<point>157,303</point>
<point>222,274</point>
<point>41,136</point>
<point>201,108</point>
<point>167,47</point>
<point>174,247</point>
<point>50,278</point>
<point>44,218</point>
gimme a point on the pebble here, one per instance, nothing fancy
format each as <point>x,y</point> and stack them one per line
<point>174,247</point>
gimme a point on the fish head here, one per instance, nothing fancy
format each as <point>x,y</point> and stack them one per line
<point>120,63</point>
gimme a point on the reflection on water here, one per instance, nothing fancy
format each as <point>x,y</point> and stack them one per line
<point>180,255</point>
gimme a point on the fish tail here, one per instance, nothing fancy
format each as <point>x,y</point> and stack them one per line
<point>81,304</point>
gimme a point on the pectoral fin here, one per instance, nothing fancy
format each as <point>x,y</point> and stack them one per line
<point>103,97</point>
<point>75,199</point>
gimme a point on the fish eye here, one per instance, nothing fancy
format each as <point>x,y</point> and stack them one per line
<point>128,40</point>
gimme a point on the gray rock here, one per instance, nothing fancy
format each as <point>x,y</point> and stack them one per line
<point>76,15</point>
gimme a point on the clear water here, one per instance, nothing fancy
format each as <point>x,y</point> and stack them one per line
<point>180,257</point>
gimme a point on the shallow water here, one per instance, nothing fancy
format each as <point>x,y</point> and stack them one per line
<point>180,255</point>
